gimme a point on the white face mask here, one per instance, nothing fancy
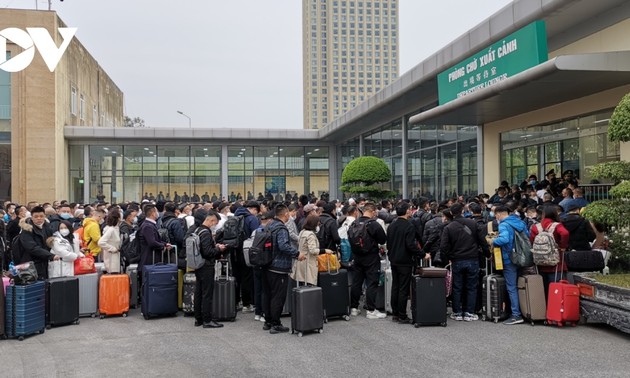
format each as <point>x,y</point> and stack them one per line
<point>317,229</point>
<point>135,219</point>
<point>292,218</point>
<point>64,232</point>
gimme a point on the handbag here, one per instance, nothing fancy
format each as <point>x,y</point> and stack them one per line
<point>84,265</point>
<point>327,262</point>
<point>55,269</point>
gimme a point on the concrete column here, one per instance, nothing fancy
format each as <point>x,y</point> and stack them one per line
<point>224,171</point>
<point>480,160</point>
<point>405,171</point>
<point>334,181</point>
<point>361,145</point>
<point>86,174</point>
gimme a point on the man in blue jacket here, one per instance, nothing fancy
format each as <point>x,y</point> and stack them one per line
<point>508,223</point>
<point>275,278</point>
<point>243,274</point>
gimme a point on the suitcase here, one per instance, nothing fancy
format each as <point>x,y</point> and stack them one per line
<point>62,301</point>
<point>188,300</point>
<point>3,334</point>
<point>494,297</point>
<point>384,293</point>
<point>25,310</point>
<point>180,288</point>
<point>531,297</point>
<point>132,272</point>
<point>307,310</point>
<point>88,294</point>
<point>428,300</point>
<point>335,294</point>
<point>113,295</point>
<point>159,289</point>
<point>584,261</point>
<point>563,306</point>
<point>224,295</point>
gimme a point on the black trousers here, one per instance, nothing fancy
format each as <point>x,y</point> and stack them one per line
<point>365,269</point>
<point>244,277</point>
<point>274,295</point>
<point>401,285</point>
<point>204,290</point>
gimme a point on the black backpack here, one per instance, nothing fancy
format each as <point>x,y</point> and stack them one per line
<point>130,248</point>
<point>16,249</point>
<point>360,239</point>
<point>233,232</point>
<point>261,251</point>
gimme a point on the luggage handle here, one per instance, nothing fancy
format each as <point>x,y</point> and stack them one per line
<point>297,282</point>
<point>173,247</point>
<point>328,263</point>
<point>227,269</point>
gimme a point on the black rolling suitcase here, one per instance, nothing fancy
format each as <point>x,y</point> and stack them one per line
<point>494,298</point>
<point>428,297</point>
<point>335,294</point>
<point>224,295</point>
<point>62,301</point>
<point>307,313</point>
<point>188,300</point>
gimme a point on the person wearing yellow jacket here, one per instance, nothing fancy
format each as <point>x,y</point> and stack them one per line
<point>92,231</point>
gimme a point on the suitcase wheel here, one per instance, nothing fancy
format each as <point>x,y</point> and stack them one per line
<point>483,317</point>
<point>77,322</point>
<point>300,334</point>
<point>3,337</point>
<point>42,330</point>
<point>546,322</point>
<point>320,330</point>
<point>93,315</point>
<point>346,317</point>
<point>102,316</point>
<point>21,338</point>
<point>325,320</point>
<point>443,324</point>
<point>417,325</point>
<point>124,314</point>
<point>48,326</point>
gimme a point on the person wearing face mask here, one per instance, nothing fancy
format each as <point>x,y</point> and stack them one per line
<point>13,228</point>
<point>92,231</point>
<point>64,212</point>
<point>110,243</point>
<point>150,241</point>
<point>64,245</point>
<point>33,247</point>
<point>293,231</point>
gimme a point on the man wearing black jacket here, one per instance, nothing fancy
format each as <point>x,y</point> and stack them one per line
<point>204,286</point>
<point>32,242</point>
<point>328,234</point>
<point>401,250</point>
<point>367,265</point>
<point>462,241</point>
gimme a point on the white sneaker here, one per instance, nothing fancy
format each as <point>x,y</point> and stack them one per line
<point>249,308</point>
<point>376,314</point>
<point>262,318</point>
<point>355,312</point>
<point>257,318</point>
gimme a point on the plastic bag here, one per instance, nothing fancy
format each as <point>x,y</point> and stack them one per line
<point>84,265</point>
<point>24,274</point>
<point>327,262</point>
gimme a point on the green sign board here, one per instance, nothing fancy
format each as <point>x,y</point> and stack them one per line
<point>515,53</point>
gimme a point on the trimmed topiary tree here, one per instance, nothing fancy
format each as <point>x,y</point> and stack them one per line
<point>613,213</point>
<point>362,174</point>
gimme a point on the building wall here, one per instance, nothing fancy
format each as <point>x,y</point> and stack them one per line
<point>41,107</point>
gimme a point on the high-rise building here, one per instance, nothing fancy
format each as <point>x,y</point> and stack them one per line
<point>350,51</point>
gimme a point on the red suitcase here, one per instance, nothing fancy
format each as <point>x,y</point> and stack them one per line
<point>563,305</point>
<point>113,295</point>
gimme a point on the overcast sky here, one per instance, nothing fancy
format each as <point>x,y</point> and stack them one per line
<point>230,63</point>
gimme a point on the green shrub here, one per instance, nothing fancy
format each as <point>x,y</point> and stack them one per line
<point>615,171</point>
<point>619,125</point>
<point>363,173</point>
<point>621,190</point>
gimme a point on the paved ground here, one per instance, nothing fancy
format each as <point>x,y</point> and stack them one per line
<point>171,347</point>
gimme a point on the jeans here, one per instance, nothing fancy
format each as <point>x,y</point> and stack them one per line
<point>550,278</point>
<point>510,273</point>
<point>274,295</point>
<point>401,285</point>
<point>365,269</point>
<point>204,289</point>
<point>465,270</point>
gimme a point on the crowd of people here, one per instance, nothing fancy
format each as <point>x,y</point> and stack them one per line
<point>409,231</point>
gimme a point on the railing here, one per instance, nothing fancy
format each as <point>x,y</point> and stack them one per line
<point>594,192</point>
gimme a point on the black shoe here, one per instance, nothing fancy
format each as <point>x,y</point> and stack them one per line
<point>278,329</point>
<point>395,319</point>
<point>404,321</point>
<point>266,326</point>
<point>212,324</point>
<point>198,323</point>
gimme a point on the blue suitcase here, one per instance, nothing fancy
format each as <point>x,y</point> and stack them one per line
<point>159,290</point>
<point>25,310</point>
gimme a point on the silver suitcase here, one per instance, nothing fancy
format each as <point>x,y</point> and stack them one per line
<point>88,294</point>
<point>132,271</point>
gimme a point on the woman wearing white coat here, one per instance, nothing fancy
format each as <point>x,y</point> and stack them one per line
<point>305,271</point>
<point>65,245</point>
<point>110,243</point>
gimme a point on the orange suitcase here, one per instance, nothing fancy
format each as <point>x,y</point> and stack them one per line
<point>113,295</point>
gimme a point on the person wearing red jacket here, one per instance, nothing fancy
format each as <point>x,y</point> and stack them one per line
<point>550,216</point>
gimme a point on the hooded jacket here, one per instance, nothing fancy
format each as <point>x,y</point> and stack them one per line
<point>328,234</point>
<point>463,240</point>
<point>33,246</point>
<point>251,222</point>
<point>581,233</point>
<point>68,251</point>
<point>401,243</point>
<point>91,235</point>
<point>505,240</point>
